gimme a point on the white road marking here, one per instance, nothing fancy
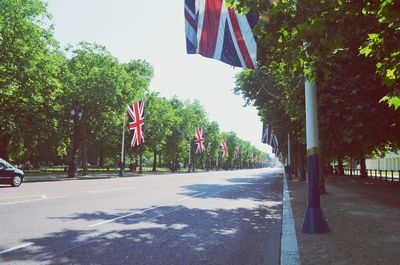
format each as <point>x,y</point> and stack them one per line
<point>109,190</point>
<point>16,247</point>
<point>22,196</point>
<point>189,197</point>
<point>289,248</point>
<point>122,216</point>
<point>140,211</point>
<point>17,202</point>
<point>42,198</point>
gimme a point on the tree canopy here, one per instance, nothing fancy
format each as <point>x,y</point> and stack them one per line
<point>43,88</point>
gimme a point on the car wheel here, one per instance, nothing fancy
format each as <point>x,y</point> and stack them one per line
<point>16,181</point>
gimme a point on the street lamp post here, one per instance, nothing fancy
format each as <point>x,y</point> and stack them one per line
<point>76,113</point>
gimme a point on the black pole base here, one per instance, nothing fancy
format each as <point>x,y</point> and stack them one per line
<point>122,170</point>
<point>314,222</point>
<point>288,172</point>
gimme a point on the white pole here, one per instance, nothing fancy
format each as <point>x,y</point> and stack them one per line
<point>288,164</point>
<point>190,147</point>
<point>288,140</point>
<point>314,221</point>
<point>121,172</point>
<point>217,160</point>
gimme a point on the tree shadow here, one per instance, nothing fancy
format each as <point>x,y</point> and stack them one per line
<point>166,235</point>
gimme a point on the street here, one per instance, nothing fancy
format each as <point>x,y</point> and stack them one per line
<point>224,217</point>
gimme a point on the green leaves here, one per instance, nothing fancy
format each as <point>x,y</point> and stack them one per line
<point>393,101</point>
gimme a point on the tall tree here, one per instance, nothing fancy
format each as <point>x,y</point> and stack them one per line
<point>29,70</point>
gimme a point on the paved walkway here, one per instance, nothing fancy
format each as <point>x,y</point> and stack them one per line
<point>364,220</point>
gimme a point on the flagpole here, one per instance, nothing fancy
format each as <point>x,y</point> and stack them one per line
<point>289,169</point>
<point>193,154</point>
<point>314,221</point>
<point>189,165</point>
<point>121,172</point>
<point>217,162</point>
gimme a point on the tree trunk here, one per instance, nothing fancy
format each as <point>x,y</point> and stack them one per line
<point>4,144</point>
<point>363,167</point>
<point>101,158</point>
<point>207,162</point>
<point>176,163</point>
<point>351,167</point>
<point>322,165</point>
<point>84,153</point>
<point>293,162</point>
<point>302,162</point>
<point>159,160</point>
<point>140,163</point>
<point>155,161</point>
<point>340,167</point>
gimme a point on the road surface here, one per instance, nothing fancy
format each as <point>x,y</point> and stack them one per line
<point>224,217</point>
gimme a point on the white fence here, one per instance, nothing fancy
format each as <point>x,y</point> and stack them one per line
<point>388,163</point>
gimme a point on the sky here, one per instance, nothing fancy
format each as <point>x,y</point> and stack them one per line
<point>154,31</point>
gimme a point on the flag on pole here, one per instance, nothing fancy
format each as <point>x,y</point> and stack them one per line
<point>199,141</point>
<point>136,122</point>
<point>274,144</point>
<point>216,31</point>
<point>266,135</point>
<point>223,148</point>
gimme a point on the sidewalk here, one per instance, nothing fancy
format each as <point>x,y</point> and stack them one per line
<point>107,175</point>
<point>364,218</point>
<point>64,177</point>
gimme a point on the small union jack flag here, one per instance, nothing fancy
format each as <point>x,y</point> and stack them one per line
<point>266,135</point>
<point>199,140</point>
<point>223,148</point>
<point>275,144</point>
<point>136,122</point>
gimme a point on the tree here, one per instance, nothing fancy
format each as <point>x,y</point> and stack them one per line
<point>348,90</point>
<point>212,143</point>
<point>29,70</point>
<point>159,122</point>
<point>101,87</point>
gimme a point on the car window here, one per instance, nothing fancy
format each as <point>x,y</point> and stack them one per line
<point>5,163</point>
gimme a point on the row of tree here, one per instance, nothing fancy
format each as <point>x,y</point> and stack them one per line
<point>353,48</point>
<point>56,103</point>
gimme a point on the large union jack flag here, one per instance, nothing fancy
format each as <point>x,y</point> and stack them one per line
<point>223,148</point>
<point>216,31</point>
<point>199,140</point>
<point>136,122</point>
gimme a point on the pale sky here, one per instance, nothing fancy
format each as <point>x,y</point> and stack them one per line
<point>154,31</point>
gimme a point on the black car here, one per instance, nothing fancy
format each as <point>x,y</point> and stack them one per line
<point>9,174</point>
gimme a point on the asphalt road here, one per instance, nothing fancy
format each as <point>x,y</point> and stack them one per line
<point>225,217</point>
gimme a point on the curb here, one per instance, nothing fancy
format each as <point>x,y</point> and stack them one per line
<point>289,247</point>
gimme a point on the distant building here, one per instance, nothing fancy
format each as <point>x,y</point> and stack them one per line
<point>390,162</point>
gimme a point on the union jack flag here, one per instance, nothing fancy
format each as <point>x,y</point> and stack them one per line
<point>199,140</point>
<point>136,122</point>
<point>266,135</point>
<point>217,31</point>
<point>223,148</point>
<point>274,144</point>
